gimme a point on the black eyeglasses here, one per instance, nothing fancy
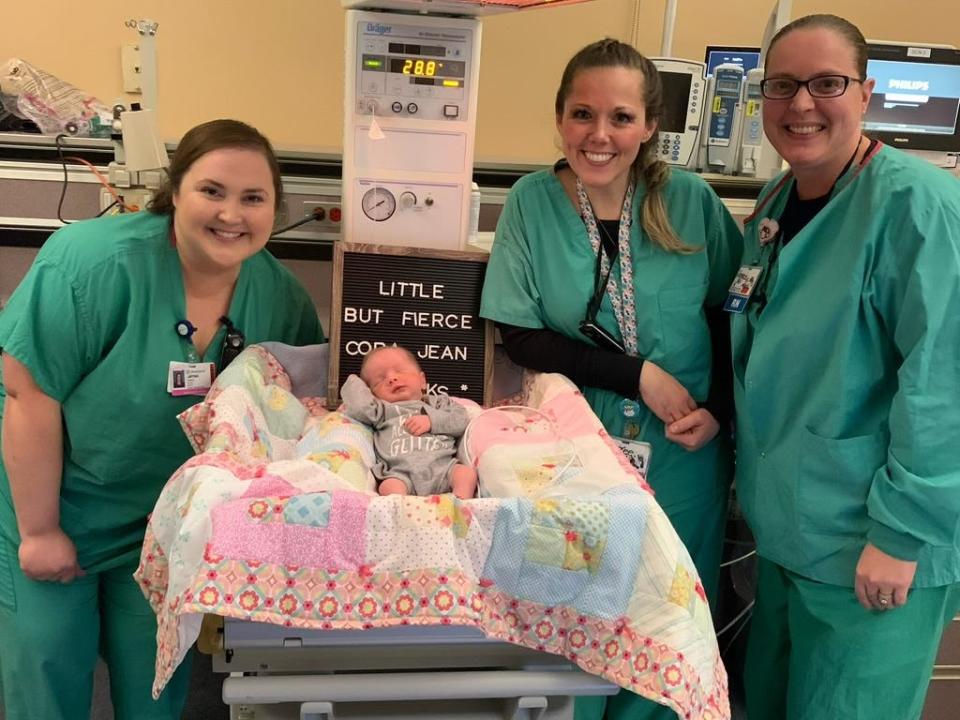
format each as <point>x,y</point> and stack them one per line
<point>822,86</point>
<point>233,343</point>
<point>589,327</point>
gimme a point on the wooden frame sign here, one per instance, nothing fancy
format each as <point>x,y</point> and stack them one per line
<point>425,300</point>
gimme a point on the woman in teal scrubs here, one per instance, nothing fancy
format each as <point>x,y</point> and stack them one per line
<point>108,327</point>
<point>847,387</point>
<point>604,268</point>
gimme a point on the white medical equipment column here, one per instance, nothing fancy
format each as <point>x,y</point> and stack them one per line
<point>410,114</point>
<point>669,20</point>
<point>139,154</point>
<point>779,16</point>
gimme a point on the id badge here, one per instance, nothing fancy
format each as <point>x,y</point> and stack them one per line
<point>190,378</point>
<point>637,453</point>
<point>742,288</point>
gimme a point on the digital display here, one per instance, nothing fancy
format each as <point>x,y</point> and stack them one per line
<point>728,86</point>
<point>428,50</point>
<point>415,66</point>
<point>676,100</point>
<point>442,82</point>
<point>424,67</point>
<point>913,97</point>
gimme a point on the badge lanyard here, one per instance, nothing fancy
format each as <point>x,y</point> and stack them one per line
<point>622,301</point>
<point>195,377</point>
<point>189,377</point>
<point>185,330</point>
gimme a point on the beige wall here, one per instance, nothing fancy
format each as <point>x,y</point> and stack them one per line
<point>279,63</point>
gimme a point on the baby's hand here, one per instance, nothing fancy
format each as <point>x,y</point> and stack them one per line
<point>417,425</point>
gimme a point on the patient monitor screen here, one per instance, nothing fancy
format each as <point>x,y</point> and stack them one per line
<point>676,100</point>
<point>913,97</point>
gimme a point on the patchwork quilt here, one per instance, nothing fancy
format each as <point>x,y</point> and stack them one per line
<point>276,519</point>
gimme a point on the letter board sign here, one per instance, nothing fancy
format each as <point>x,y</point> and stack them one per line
<point>425,300</point>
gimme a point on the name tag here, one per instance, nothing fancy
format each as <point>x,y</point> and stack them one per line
<point>637,453</point>
<point>742,288</point>
<point>190,378</point>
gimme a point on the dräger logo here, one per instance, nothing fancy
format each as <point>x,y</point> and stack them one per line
<point>379,28</point>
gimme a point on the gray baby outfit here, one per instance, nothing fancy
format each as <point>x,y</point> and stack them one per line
<point>421,462</point>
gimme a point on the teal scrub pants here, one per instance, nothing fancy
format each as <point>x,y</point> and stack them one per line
<point>51,636</point>
<point>815,653</point>
<point>701,525</point>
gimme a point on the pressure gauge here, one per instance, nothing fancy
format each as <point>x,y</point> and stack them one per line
<point>378,204</point>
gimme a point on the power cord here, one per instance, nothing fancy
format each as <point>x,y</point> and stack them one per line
<point>743,557</point>
<point>63,187</point>
<point>117,200</point>
<point>745,614</point>
<point>108,208</point>
<point>317,215</point>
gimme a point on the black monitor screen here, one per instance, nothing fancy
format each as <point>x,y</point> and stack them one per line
<point>915,103</point>
<point>746,57</point>
<point>676,100</point>
<point>913,97</point>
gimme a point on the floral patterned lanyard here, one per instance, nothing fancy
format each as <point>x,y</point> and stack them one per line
<point>623,303</point>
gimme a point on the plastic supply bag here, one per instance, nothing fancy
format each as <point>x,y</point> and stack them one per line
<point>54,105</point>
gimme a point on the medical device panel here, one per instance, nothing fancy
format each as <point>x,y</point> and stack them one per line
<point>758,158</point>
<point>724,119</point>
<point>684,86</point>
<point>409,127</point>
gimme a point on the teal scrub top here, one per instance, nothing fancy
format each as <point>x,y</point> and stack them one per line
<point>94,322</point>
<point>847,385</point>
<point>541,275</point>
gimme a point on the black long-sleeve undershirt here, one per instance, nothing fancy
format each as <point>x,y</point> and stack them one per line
<point>549,351</point>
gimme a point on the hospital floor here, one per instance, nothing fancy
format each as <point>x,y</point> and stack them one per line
<point>204,702</point>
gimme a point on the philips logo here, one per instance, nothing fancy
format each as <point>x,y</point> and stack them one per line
<point>909,85</point>
<point>379,28</point>
<point>902,141</point>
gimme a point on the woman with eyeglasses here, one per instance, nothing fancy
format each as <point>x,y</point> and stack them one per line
<point>847,387</point>
<point>112,333</point>
<point>605,268</point>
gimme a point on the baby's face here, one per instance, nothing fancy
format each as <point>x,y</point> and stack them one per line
<point>393,376</point>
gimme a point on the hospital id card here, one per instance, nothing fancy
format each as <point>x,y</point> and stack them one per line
<point>190,378</point>
<point>637,453</point>
<point>742,288</point>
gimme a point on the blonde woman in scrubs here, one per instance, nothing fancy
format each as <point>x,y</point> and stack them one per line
<point>605,268</point>
<point>89,396</point>
<point>847,385</point>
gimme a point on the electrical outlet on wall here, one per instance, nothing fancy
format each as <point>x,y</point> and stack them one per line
<point>328,214</point>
